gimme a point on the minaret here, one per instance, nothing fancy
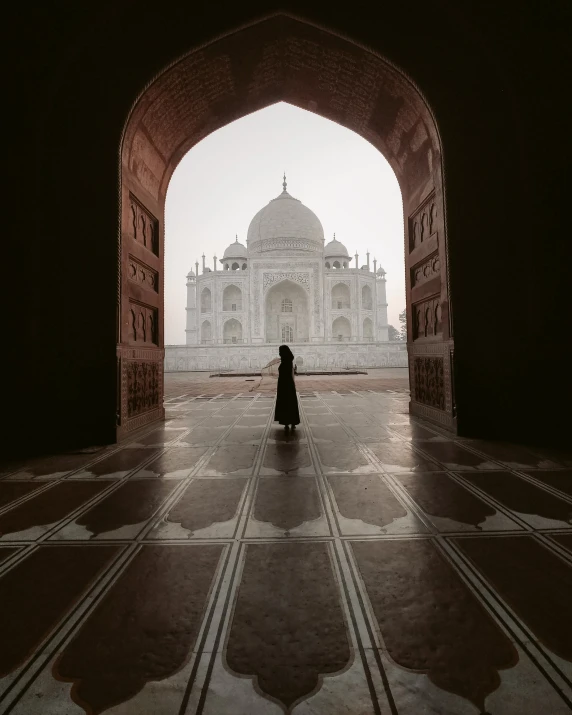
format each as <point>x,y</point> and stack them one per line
<point>197,268</point>
<point>367,256</point>
<point>357,258</point>
<point>191,329</point>
<point>204,266</point>
<point>375,266</point>
<point>214,263</point>
<point>381,328</point>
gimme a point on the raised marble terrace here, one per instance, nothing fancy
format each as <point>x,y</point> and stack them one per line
<point>366,563</point>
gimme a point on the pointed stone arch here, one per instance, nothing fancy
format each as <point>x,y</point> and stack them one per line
<point>282,58</point>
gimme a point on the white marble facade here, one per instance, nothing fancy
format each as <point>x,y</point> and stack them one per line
<point>285,286</point>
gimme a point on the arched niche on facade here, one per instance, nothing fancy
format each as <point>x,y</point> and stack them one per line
<point>328,264</point>
<point>281,58</point>
<point>368,329</point>
<point>244,266</point>
<point>232,331</point>
<point>206,300</point>
<point>232,298</point>
<point>206,332</point>
<point>341,329</point>
<point>366,298</point>
<point>287,314</point>
<point>341,299</point>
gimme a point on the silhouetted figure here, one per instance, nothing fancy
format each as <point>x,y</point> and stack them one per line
<point>286,401</point>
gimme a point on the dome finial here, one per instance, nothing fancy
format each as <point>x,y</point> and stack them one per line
<point>284,182</point>
<point>236,240</point>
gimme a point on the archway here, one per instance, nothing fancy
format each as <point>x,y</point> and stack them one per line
<point>366,298</point>
<point>341,299</point>
<point>341,329</point>
<point>232,331</point>
<point>232,298</point>
<point>206,332</point>
<point>368,329</point>
<point>206,300</point>
<point>285,59</point>
<point>286,313</point>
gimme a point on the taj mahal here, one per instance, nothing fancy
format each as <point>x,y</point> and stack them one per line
<point>286,286</point>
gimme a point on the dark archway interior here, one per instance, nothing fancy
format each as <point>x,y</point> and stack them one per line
<point>495,87</point>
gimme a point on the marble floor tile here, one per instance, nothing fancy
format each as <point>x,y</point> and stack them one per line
<point>36,516</point>
<point>287,506</point>
<point>454,456</point>
<point>341,458</point>
<point>121,514</point>
<point>232,459</point>
<point>176,462</point>
<point>207,508</point>
<point>365,505</point>
<point>557,479</point>
<point>287,458</point>
<point>537,507</point>
<point>400,457</point>
<point>118,464</point>
<point>450,506</point>
<point>535,582</point>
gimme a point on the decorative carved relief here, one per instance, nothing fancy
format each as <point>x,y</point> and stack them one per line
<point>427,318</point>
<point>269,279</point>
<point>142,274</point>
<point>426,270</point>
<point>275,244</point>
<point>428,381</point>
<point>143,325</point>
<point>143,386</point>
<point>423,222</point>
<point>144,226</point>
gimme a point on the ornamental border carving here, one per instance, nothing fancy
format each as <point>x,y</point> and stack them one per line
<point>301,277</point>
<point>427,269</point>
<point>143,274</point>
<point>284,244</point>
<point>432,414</point>
<point>141,387</point>
<point>422,222</point>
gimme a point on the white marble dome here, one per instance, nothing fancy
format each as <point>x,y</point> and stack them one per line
<point>335,249</point>
<point>285,224</point>
<point>235,250</point>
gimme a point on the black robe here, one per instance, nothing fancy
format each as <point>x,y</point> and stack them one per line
<point>286,400</point>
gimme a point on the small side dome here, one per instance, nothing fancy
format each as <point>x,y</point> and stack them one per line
<point>235,250</point>
<point>335,249</point>
<point>191,274</point>
<point>380,271</point>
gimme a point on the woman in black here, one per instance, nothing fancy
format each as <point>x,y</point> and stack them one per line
<point>286,401</point>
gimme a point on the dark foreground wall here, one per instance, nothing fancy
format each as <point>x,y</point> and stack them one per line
<point>497,78</point>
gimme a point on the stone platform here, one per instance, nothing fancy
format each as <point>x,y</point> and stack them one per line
<point>311,356</point>
<point>366,563</point>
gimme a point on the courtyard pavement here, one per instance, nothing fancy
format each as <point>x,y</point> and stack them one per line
<point>216,564</point>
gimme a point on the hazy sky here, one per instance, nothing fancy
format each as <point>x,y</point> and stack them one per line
<point>228,177</point>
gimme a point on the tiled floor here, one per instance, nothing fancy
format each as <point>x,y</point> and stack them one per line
<point>218,565</point>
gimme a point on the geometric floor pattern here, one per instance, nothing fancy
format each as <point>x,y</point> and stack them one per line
<point>218,565</point>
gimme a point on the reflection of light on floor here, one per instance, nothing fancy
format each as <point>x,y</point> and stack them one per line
<point>316,567</point>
